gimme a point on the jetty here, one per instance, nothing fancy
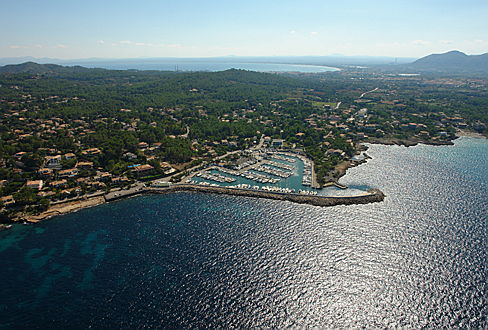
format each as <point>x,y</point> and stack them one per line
<point>372,196</point>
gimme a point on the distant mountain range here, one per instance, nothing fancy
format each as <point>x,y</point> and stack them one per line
<point>453,61</point>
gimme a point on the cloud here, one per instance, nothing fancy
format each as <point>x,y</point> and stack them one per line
<point>15,47</point>
<point>314,33</point>
<point>101,42</point>
<point>446,42</point>
<point>293,32</point>
<point>136,43</point>
<point>61,46</point>
<point>421,43</point>
<point>144,44</point>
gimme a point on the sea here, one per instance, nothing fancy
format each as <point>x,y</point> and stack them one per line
<point>195,260</point>
<point>194,66</point>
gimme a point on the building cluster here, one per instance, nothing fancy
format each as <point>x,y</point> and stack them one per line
<point>50,156</point>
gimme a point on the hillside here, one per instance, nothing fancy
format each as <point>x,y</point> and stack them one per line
<point>453,61</point>
<point>35,68</point>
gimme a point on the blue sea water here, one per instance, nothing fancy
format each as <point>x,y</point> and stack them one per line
<point>195,65</point>
<point>418,259</point>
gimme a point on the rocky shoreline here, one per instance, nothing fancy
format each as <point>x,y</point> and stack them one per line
<point>408,142</point>
<point>341,169</point>
<point>373,196</point>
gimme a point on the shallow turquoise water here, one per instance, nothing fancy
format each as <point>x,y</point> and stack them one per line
<point>201,260</point>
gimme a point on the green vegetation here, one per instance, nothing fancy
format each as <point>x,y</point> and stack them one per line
<point>110,128</point>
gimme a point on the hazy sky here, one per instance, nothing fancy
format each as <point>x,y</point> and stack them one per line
<point>191,28</point>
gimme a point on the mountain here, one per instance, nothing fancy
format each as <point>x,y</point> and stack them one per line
<point>453,61</point>
<point>35,68</point>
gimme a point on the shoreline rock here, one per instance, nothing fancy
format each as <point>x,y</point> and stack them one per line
<point>373,196</point>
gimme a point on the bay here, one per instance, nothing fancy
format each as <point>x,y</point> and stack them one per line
<point>203,65</point>
<point>200,260</point>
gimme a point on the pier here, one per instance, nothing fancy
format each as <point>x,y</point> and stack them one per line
<point>372,196</point>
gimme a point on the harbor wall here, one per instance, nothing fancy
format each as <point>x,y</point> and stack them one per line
<point>373,196</point>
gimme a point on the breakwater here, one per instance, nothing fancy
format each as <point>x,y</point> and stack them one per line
<point>373,195</point>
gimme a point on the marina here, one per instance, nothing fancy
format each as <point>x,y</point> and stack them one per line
<point>280,156</point>
<point>270,170</point>
<point>280,165</point>
<point>215,177</point>
<point>267,170</point>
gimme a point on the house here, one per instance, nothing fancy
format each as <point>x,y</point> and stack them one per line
<point>103,176</point>
<point>84,165</point>
<point>141,170</point>
<point>370,127</point>
<point>335,152</point>
<point>69,156</point>
<point>34,184</point>
<point>143,145</point>
<point>120,180</point>
<point>277,143</point>
<point>81,180</point>
<point>45,172</point>
<point>46,193</point>
<point>363,112</point>
<point>167,168</point>
<point>71,191</point>
<point>59,183</point>
<point>7,200</point>
<point>411,125</point>
<point>53,161</point>
<point>19,155</point>
<point>96,184</point>
<point>129,156</point>
<point>68,173</point>
<point>91,151</point>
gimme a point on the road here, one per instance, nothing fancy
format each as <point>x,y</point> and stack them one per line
<point>187,132</point>
<point>371,91</point>
<point>260,144</point>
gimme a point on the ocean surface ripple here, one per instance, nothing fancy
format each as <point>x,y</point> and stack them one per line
<point>419,259</point>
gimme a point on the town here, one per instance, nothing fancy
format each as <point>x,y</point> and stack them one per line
<point>122,129</point>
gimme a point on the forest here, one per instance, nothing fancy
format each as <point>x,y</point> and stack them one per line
<point>182,118</point>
